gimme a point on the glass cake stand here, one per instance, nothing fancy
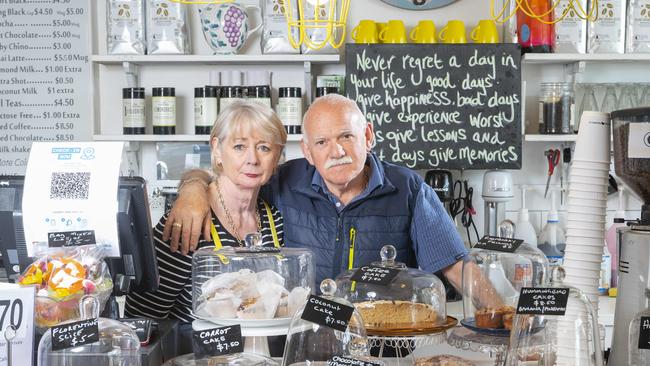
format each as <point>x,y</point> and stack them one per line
<point>466,339</point>
<point>405,345</point>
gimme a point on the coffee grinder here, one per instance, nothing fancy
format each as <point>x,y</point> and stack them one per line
<point>497,190</point>
<point>442,183</point>
<point>631,129</point>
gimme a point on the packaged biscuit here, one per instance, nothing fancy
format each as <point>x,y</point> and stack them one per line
<point>607,32</point>
<point>125,27</point>
<point>167,28</point>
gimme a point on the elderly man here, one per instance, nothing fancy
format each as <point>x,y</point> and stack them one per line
<point>341,201</point>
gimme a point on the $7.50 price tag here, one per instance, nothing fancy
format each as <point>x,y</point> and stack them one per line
<point>17,321</point>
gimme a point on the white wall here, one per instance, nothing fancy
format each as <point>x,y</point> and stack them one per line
<point>470,11</point>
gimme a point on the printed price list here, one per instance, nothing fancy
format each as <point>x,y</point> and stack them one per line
<point>44,76</point>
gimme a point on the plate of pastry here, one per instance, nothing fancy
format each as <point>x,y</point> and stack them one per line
<point>252,323</point>
<point>401,318</point>
<point>491,321</point>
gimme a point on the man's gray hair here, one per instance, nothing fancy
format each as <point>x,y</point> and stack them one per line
<point>337,101</point>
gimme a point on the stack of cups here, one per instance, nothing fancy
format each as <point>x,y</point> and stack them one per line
<point>587,204</point>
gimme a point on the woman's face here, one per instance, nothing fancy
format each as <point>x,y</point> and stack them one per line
<point>247,159</point>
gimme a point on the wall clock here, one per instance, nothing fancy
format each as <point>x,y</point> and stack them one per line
<point>419,4</point>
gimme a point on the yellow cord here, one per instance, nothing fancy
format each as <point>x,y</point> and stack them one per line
<point>525,7</point>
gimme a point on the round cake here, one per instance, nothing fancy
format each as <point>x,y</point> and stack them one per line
<point>389,313</point>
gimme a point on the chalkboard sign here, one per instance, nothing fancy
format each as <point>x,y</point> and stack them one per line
<point>75,334</point>
<point>328,313</point>
<point>71,238</point>
<point>543,301</point>
<point>440,106</point>
<point>376,275</point>
<point>217,341</point>
<point>141,327</point>
<point>644,333</point>
<point>498,244</point>
<point>347,361</point>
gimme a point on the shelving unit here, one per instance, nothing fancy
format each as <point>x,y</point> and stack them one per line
<point>550,138</point>
<point>168,138</point>
<point>563,58</point>
<point>213,59</point>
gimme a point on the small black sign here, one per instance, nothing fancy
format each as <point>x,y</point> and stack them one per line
<point>328,313</point>
<point>217,341</point>
<point>346,361</point>
<point>498,244</point>
<point>376,275</point>
<point>543,301</point>
<point>75,334</point>
<point>71,238</point>
<point>141,327</point>
<point>644,333</point>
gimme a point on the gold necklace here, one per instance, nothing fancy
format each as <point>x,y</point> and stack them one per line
<point>235,228</point>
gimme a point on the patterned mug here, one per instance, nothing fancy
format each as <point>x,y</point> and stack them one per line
<point>225,26</point>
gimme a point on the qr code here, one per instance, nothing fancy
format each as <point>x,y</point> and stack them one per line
<point>70,186</point>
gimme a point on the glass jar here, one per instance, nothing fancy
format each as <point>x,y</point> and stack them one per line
<point>163,104</point>
<point>260,94</point>
<point>572,339</point>
<point>639,336</point>
<point>324,90</point>
<point>289,109</point>
<point>133,111</point>
<point>491,284</point>
<point>556,107</point>
<point>311,344</point>
<point>414,299</point>
<point>205,109</point>
<point>250,284</point>
<point>230,94</point>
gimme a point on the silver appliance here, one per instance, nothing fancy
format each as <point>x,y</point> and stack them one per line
<point>631,129</point>
<point>497,190</point>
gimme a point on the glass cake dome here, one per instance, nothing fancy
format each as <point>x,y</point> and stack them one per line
<point>118,344</point>
<point>250,283</point>
<point>238,359</point>
<point>310,343</point>
<point>572,339</point>
<point>492,281</point>
<point>413,301</point>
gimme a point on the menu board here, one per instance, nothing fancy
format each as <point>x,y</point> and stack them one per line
<point>440,106</point>
<point>44,76</point>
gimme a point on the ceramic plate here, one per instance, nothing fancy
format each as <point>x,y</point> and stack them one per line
<point>251,323</point>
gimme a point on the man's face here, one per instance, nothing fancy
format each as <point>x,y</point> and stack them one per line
<point>336,144</point>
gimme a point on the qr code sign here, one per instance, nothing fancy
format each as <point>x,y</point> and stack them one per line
<point>70,186</point>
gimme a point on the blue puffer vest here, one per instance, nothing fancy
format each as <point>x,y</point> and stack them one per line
<point>311,220</point>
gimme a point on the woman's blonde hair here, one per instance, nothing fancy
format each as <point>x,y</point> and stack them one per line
<point>248,115</point>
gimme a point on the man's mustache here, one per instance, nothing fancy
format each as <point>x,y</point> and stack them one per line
<point>334,162</point>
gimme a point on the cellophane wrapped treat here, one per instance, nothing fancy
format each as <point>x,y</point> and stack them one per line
<point>61,277</point>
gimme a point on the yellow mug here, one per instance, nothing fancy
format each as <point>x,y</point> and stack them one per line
<point>380,27</point>
<point>394,32</point>
<point>485,32</point>
<point>424,32</point>
<point>453,32</point>
<point>365,32</point>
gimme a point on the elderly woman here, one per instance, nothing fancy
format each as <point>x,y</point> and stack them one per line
<point>246,142</point>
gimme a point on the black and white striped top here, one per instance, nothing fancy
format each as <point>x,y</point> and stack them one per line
<point>173,299</point>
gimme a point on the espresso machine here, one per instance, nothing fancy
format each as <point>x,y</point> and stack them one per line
<point>631,129</point>
<point>497,190</point>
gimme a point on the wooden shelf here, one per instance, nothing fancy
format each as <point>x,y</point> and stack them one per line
<point>213,59</point>
<point>550,138</point>
<point>168,138</point>
<point>564,58</point>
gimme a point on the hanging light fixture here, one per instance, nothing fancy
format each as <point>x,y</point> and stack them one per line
<point>510,8</point>
<point>328,18</point>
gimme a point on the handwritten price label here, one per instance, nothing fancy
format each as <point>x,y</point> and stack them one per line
<point>75,334</point>
<point>376,275</point>
<point>217,341</point>
<point>328,313</point>
<point>498,244</point>
<point>543,301</point>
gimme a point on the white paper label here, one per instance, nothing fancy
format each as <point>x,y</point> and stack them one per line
<point>17,310</point>
<point>639,21</point>
<point>638,143</point>
<point>72,187</point>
